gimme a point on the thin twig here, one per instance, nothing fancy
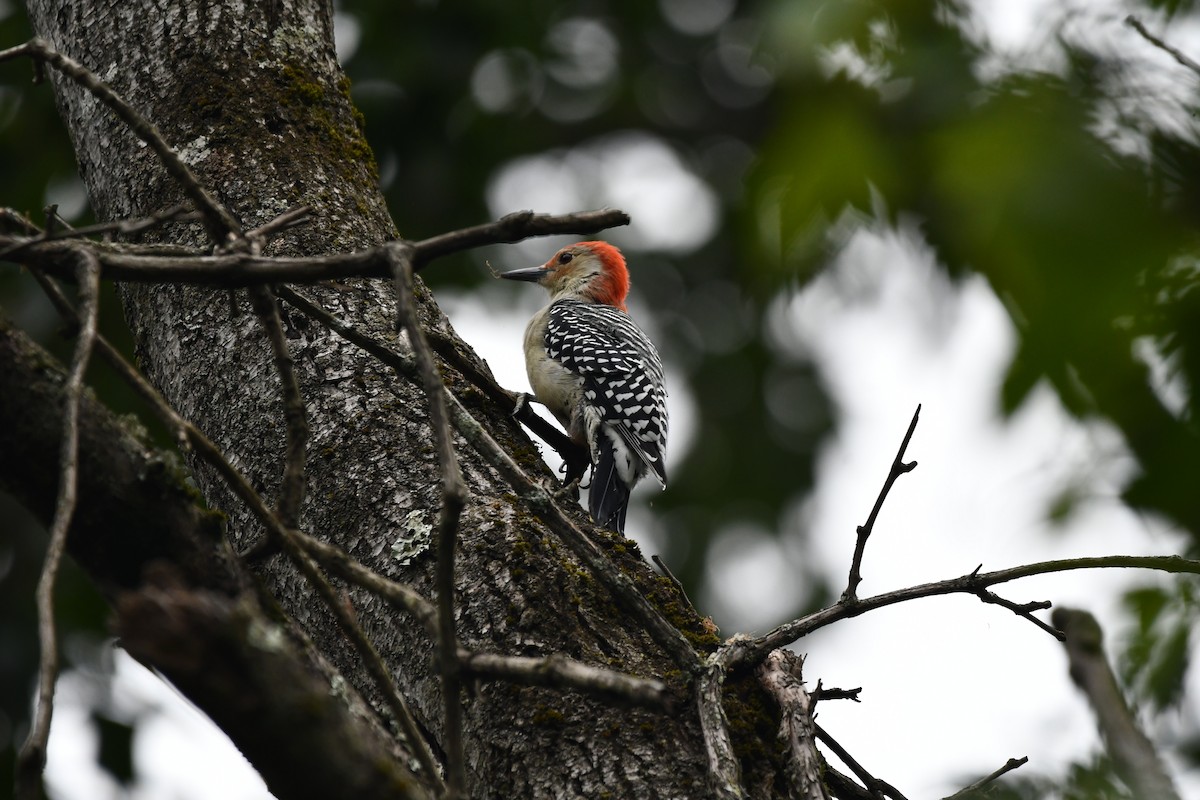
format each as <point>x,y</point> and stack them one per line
<point>559,672</point>
<point>878,788</point>
<point>1175,53</point>
<point>1009,766</point>
<point>821,693</point>
<point>401,596</point>
<point>678,584</point>
<point>1024,610</point>
<point>10,217</point>
<point>293,482</point>
<point>369,656</point>
<point>898,468</point>
<point>752,651</point>
<point>125,227</point>
<point>240,269</point>
<point>514,228</point>
<point>552,672</point>
<point>221,226</point>
<point>454,499</point>
<point>288,219</point>
<point>31,760</point>
<point>843,787</point>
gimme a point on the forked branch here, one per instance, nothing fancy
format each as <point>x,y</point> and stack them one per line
<point>752,651</point>
<point>898,468</point>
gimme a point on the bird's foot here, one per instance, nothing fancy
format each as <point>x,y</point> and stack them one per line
<point>523,401</point>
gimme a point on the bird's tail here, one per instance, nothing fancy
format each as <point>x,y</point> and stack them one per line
<point>609,497</point>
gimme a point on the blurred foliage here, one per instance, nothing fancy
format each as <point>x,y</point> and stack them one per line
<point>1089,245</point>
<point>1095,780</point>
<point>1072,192</point>
<point>1157,653</point>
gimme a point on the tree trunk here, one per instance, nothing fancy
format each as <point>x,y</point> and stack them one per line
<point>253,98</point>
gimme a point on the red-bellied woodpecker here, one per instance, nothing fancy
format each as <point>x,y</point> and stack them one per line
<point>592,366</point>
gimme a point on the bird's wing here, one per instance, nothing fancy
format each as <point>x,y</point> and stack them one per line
<point>622,373</point>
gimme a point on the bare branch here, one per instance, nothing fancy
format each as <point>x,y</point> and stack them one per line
<point>222,227</point>
<point>1178,55</point>
<point>878,788</point>
<point>864,531</point>
<point>780,674</point>
<point>288,219</point>
<point>125,227</point>
<point>559,672</point>
<point>515,227</point>
<point>843,787</point>
<point>678,584</point>
<point>751,652</point>
<point>240,269</point>
<point>1009,766</point>
<point>454,498</point>
<point>31,760</point>
<point>10,218</point>
<point>506,400</point>
<point>401,596</point>
<point>821,693</point>
<point>1024,610</point>
<point>553,671</point>
<point>1131,750</point>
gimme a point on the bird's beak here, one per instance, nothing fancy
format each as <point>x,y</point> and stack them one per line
<point>530,274</point>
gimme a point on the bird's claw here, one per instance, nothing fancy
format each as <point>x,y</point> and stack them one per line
<point>523,401</point>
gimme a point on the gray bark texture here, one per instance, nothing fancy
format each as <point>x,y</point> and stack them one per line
<point>183,604</point>
<point>253,98</point>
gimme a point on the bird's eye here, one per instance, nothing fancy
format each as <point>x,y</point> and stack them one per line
<point>565,258</point>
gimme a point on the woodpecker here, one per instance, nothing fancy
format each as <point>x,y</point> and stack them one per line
<point>592,366</point>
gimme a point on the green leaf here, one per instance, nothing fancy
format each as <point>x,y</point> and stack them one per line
<point>1164,680</point>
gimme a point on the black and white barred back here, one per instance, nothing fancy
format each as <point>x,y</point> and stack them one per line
<point>625,397</point>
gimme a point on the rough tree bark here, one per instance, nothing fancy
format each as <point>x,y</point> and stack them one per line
<point>199,619</point>
<point>253,98</point>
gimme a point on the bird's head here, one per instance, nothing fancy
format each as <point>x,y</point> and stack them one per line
<point>590,271</point>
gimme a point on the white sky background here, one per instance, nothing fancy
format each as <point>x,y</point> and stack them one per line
<point>952,688</point>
